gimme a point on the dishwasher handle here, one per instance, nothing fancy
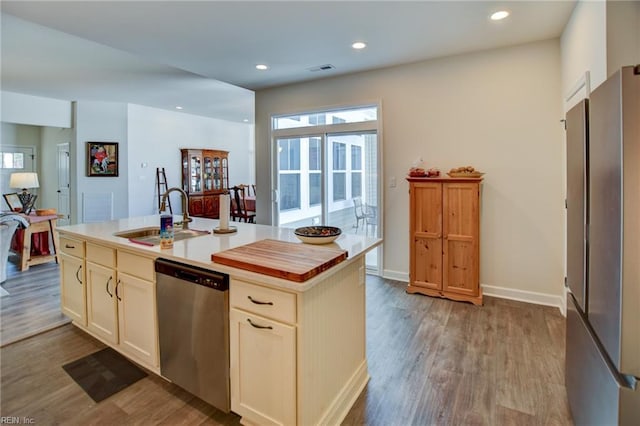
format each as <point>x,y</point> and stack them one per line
<point>192,274</point>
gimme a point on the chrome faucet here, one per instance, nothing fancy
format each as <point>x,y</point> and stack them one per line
<point>185,206</point>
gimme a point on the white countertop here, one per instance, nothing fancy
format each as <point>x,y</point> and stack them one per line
<point>197,251</point>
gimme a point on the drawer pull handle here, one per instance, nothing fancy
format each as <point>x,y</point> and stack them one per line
<point>257,302</point>
<point>68,246</point>
<point>259,326</point>
<point>118,297</point>
<point>77,272</point>
<point>107,288</point>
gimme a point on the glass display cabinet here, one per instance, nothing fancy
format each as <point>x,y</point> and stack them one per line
<point>205,175</point>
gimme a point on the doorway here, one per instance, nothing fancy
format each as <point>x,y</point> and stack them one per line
<point>328,174</point>
<point>64,208</point>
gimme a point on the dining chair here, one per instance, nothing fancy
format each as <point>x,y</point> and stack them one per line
<point>238,205</point>
<point>358,211</point>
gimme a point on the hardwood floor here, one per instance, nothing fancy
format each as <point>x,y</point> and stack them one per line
<point>33,303</point>
<point>431,361</point>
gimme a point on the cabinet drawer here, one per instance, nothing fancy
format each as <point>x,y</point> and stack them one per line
<point>264,301</point>
<point>71,246</point>
<point>101,255</point>
<point>136,265</point>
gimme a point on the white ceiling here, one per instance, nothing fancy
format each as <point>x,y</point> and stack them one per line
<point>202,54</point>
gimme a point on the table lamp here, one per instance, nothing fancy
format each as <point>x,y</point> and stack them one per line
<point>25,181</point>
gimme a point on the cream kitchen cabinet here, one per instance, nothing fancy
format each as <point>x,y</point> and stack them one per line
<point>263,354</point>
<point>137,318</point>
<point>102,306</point>
<point>120,298</point>
<point>292,353</point>
<point>72,280</point>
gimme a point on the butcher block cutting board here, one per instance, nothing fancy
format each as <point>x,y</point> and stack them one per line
<point>282,259</point>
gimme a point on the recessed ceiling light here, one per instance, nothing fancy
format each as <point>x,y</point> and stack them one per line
<point>246,120</point>
<point>501,14</point>
<point>178,107</point>
<point>359,45</point>
<point>262,67</point>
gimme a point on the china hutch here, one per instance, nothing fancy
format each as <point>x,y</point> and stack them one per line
<point>205,175</point>
<point>444,226</point>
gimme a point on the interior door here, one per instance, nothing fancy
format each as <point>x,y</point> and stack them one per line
<point>64,210</point>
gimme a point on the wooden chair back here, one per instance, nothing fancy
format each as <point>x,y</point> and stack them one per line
<point>238,205</point>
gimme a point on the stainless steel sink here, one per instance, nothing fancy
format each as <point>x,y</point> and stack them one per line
<point>151,235</point>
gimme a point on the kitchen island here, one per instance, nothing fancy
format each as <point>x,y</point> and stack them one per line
<point>305,365</point>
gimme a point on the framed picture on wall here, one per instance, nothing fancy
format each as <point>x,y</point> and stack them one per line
<point>102,159</point>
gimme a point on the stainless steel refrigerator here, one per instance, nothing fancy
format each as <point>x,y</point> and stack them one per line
<point>603,253</point>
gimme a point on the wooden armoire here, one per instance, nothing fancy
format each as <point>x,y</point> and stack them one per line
<point>205,175</point>
<point>444,238</point>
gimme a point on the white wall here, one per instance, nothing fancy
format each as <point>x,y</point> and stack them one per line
<point>26,109</point>
<point>623,34</point>
<point>155,138</point>
<point>584,47</point>
<point>497,110</point>
<point>50,137</point>
<point>99,122</point>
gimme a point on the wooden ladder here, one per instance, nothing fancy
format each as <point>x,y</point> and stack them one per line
<point>161,182</point>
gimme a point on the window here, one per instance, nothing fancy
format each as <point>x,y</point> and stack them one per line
<point>289,154</point>
<point>339,186</point>
<point>317,119</point>
<point>290,191</point>
<point>356,157</point>
<point>315,189</point>
<point>339,156</point>
<point>348,115</point>
<point>314,154</point>
<point>356,184</point>
<point>12,160</point>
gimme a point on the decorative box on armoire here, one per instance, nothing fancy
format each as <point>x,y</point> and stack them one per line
<point>205,175</point>
<point>444,229</point>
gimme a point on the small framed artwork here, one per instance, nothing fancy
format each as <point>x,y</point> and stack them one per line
<point>13,202</point>
<point>102,159</point>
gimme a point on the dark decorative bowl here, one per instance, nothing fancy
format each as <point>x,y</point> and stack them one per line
<point>317,234</point>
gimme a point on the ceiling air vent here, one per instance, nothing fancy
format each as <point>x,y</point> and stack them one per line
<point>325,67</point>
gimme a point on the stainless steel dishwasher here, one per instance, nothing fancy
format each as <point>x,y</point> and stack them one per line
<point>193,325</point>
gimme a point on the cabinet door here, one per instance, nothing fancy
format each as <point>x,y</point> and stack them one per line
<point>210,204</point>
<point>196,206</point>
<point>195,172</point>
<point>137,318</point>
<point>263,369</point>
<point>426,235</point>
<point>461,237</point>
<point>102,307</point>
<point>72,288</point>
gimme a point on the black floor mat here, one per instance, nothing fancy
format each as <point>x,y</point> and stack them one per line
<point>103,373</point>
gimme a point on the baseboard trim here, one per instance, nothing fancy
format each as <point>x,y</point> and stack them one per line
<point>557,301</point>
<point>395,275</point>
<point>524,296</point>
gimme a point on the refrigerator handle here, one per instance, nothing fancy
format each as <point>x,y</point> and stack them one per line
<point>622,380</point>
